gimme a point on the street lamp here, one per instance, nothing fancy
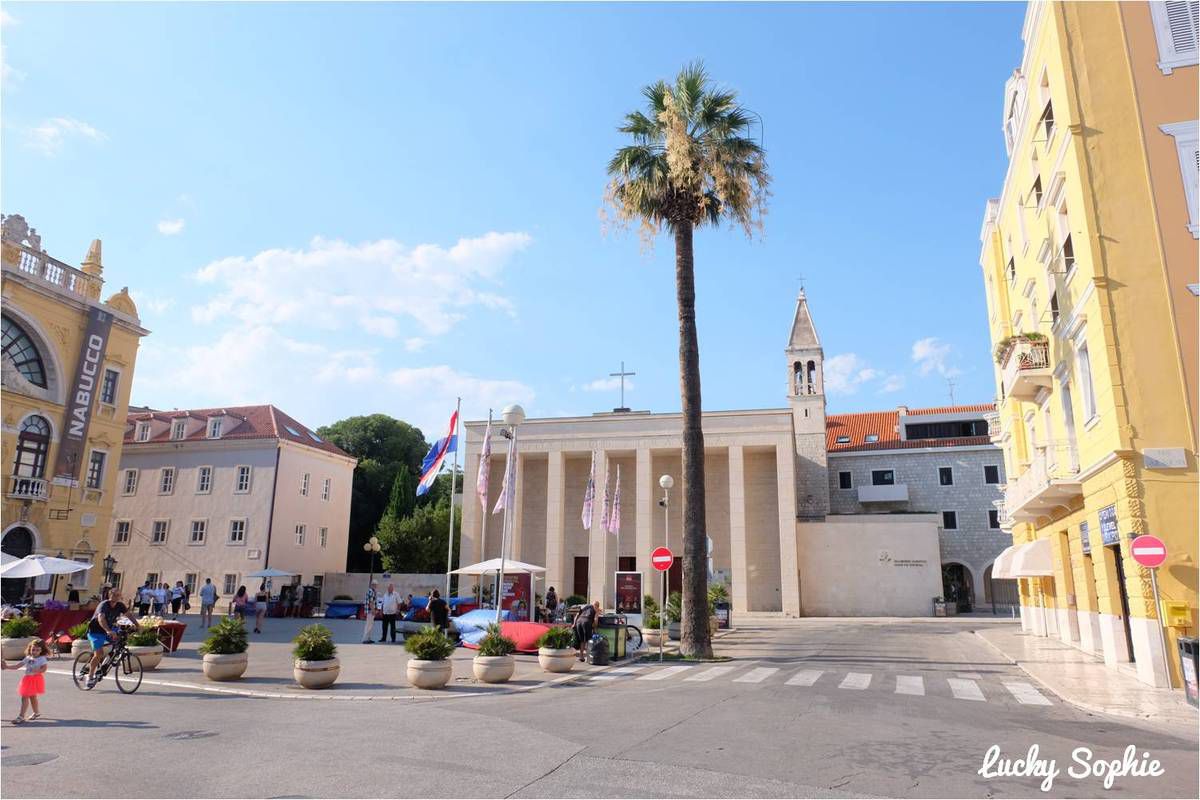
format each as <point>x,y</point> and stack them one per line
<point>109,564</point>
<point>666,482</point>
<point>513,416</point>
<point>372,547</point>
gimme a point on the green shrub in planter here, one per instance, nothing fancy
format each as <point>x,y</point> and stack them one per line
<point>143,637</point>
<point>674,607</point>
<point>429,644</point>
<point>576,600</point>
<point>226,638</point>
<point>557,639</point>
<point>21,627</point>
<point>78,631</point>
<point>495,643</point>
<point>314,643</point>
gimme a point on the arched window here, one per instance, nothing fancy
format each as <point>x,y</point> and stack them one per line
<point>33,443</point>
<point>798,378</point>
<point>24,354</point>
<point>812,377</point>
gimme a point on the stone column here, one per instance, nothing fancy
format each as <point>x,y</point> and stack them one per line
<point>598,541</point>
<point>789,561</point>
<point>555,522</point>
<point>647,489</point>
<point>740,591</point>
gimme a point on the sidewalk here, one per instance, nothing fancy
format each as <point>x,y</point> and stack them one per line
<point>1084,681</point>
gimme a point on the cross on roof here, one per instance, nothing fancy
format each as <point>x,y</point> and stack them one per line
<point>622,375</point>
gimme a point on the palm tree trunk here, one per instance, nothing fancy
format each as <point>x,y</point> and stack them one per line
<point>694,628</point>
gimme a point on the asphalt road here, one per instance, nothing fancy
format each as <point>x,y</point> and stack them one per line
<point>804,708</point>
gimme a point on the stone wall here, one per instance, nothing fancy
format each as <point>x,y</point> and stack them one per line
<point>354,584</point>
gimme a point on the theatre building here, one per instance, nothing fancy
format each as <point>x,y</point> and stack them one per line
<point>67,368</point>
<point>776,540</point>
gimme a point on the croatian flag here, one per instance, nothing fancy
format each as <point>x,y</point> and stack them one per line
<point>614,519</point>
<point>589,496</point>
<point>432,464</point>
<point>485,467</point>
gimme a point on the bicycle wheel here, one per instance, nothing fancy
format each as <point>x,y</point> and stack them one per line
<point>79,671</point>
<point>634,642</point>
<point>128,673</point>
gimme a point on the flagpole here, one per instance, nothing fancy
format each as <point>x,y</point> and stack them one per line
<point>453,482</point>
<point>483,524</point>
<point>509,489</point>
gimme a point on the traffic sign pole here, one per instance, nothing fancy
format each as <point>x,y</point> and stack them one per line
<point>661,559</point>
<point>1162,631</point>
<point>1151,552</point>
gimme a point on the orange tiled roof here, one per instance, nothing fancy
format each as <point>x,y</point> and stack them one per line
<point>884,424</point>
<point>253,422</point>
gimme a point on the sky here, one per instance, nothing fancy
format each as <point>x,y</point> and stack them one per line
<point>344,209</point>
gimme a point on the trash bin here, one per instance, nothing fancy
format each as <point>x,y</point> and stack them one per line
<point>597,650</point>
<point>1189,666</point>
<point>613,628</point>
<point>724,612</point>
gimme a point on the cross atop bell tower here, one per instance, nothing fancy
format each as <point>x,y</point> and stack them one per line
<point>806,396</point>
<point>804,354</point>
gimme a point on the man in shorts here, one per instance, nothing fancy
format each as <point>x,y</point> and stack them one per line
<point>208,599</point>
<point>102,629</point>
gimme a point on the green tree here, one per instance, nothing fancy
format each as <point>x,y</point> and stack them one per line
<point>417,543</point>
<point>404,495</point>
<point>382,445</point>
<point>692,162</point>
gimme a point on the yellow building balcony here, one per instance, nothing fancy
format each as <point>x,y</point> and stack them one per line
<point>20,488</point>
<point>1025,368</point>
<point>1051,481</point>
<point>1005,520</point>
<point>48,271</point>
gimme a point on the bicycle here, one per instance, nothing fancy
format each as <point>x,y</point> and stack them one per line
<point>128,675</point>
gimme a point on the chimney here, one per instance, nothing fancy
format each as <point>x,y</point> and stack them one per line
<point>902,410</point>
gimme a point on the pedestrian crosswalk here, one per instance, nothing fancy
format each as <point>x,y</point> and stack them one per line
<point>964,686</point>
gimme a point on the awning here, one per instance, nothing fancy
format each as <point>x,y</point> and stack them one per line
<point>1033,560</point>
<point>511,566</point>
<point>1002,566</point>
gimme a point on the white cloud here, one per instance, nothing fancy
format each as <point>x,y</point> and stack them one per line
<point>170,227</point>
<point>931,355</point>
<point>150,303</point>
<point>892,383</point>
<point>49,137</point>
<point>846,372</point>
<point>607,385</point>
<point>415,344</point>
<point>374,285</point>
<point>7,18</point>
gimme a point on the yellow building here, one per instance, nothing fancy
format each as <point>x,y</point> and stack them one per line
<point>67,368</point>
<point>1089,261</point>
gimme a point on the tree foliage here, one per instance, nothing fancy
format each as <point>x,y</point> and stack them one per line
<point>417,543</point>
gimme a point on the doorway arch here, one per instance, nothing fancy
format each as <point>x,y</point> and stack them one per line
<point>958,586</point>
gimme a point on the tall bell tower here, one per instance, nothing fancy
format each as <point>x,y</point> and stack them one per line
<point>806,396</point>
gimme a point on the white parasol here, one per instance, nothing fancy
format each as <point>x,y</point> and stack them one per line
<point>35,565</point>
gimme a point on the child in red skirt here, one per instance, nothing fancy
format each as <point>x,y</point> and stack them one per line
<point>33,683</point>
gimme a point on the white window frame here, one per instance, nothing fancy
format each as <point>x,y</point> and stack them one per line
<point>1187,145</point>
<point>116,386</point>
<point>166,481</point>
<point>1168,58</point>
<point>200,489</point>
<point>1085,379</point>
<point>203,532</point>
<point>99,487</point>
<point>301,530</point>
<point>126,489</point>
<point>895,476</point>
<point>229,586</point>
<point>237,479</point>
<point>117,540</point>
<point>955,513</point>
<point>996,467</point>
<point>214,428</point>
<point>245,528</point>
<point>154,532</point>
<point>326,488</point>
<point>848,473</point>
<point>951,483</point>
<point>993,513</point>
<point>141,432</point>
<point>189,581</point>
<point>324,537</point>
<point>152,578</point>
<point>304,479</point>
<point>178,426</point>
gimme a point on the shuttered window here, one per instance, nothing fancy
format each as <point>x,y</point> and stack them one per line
<point>1177,28</point>
<point>1187,144</point>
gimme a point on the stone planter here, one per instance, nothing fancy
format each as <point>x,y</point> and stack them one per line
<point>151,655</point>
<point>493,669</point>
<point>428,674</point>
<point>673,631</point>
<point>80,646</point>
<point>14,649</point>
<point>654,638</point>
<point>225,667</point>
<point>553,659</point>
<point>316,674</point>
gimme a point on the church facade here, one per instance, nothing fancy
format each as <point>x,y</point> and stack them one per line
<point>775,540</point>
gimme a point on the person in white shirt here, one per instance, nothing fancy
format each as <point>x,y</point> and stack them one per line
<point>391,608</point>
<point>208,599</point>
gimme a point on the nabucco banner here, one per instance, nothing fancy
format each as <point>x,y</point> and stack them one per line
<point>82,396</point>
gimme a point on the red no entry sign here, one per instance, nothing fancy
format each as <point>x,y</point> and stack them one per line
<point>1149,551</point>
<point>661,559</point>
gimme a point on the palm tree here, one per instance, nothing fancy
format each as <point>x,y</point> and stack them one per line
<point>692,162</point>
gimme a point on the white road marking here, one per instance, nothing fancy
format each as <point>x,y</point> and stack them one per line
<point>614,673</point>
<point>910,684</point>
<point>1025,693</point>
<point>709,674</point>
<point>757,675</point>
<point>805,677</point>
<point>855,680</point>
<point>966,690</point>
<point>665,672</point>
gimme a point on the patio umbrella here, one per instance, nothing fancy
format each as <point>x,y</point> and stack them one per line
<point>271,572</point>
<point>34,565</point>
<point>493,565</point>
<point>5,557</point>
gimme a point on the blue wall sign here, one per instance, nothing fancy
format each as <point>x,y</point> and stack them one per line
<point>1108,526</point>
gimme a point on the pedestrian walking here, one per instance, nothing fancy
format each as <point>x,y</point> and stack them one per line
<point>33,682</point>
<point>176,598</point>
<point>551,603</point>
<point>390,609</point>
<point>239,603</point>
<point>162,596</point>
<point>208,599</point>
<point>439,611</point>
<point>261,600</point>
<point>369,612</point>
<point>145,596</point>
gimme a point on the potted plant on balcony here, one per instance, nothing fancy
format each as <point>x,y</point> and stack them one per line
<point>493,662</point>
<point>1005,346</point>
<point>316,665</point>
<point>556,651</point>
<point>15,636</point>
<point>224,651</point>
<point>79,640</point>
<point>429,667</point>
<point>144,642</point>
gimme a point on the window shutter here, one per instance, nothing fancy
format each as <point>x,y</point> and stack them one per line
<point>1183,19</point>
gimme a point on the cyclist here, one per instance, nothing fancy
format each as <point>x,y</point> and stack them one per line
<point>102,630</point>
